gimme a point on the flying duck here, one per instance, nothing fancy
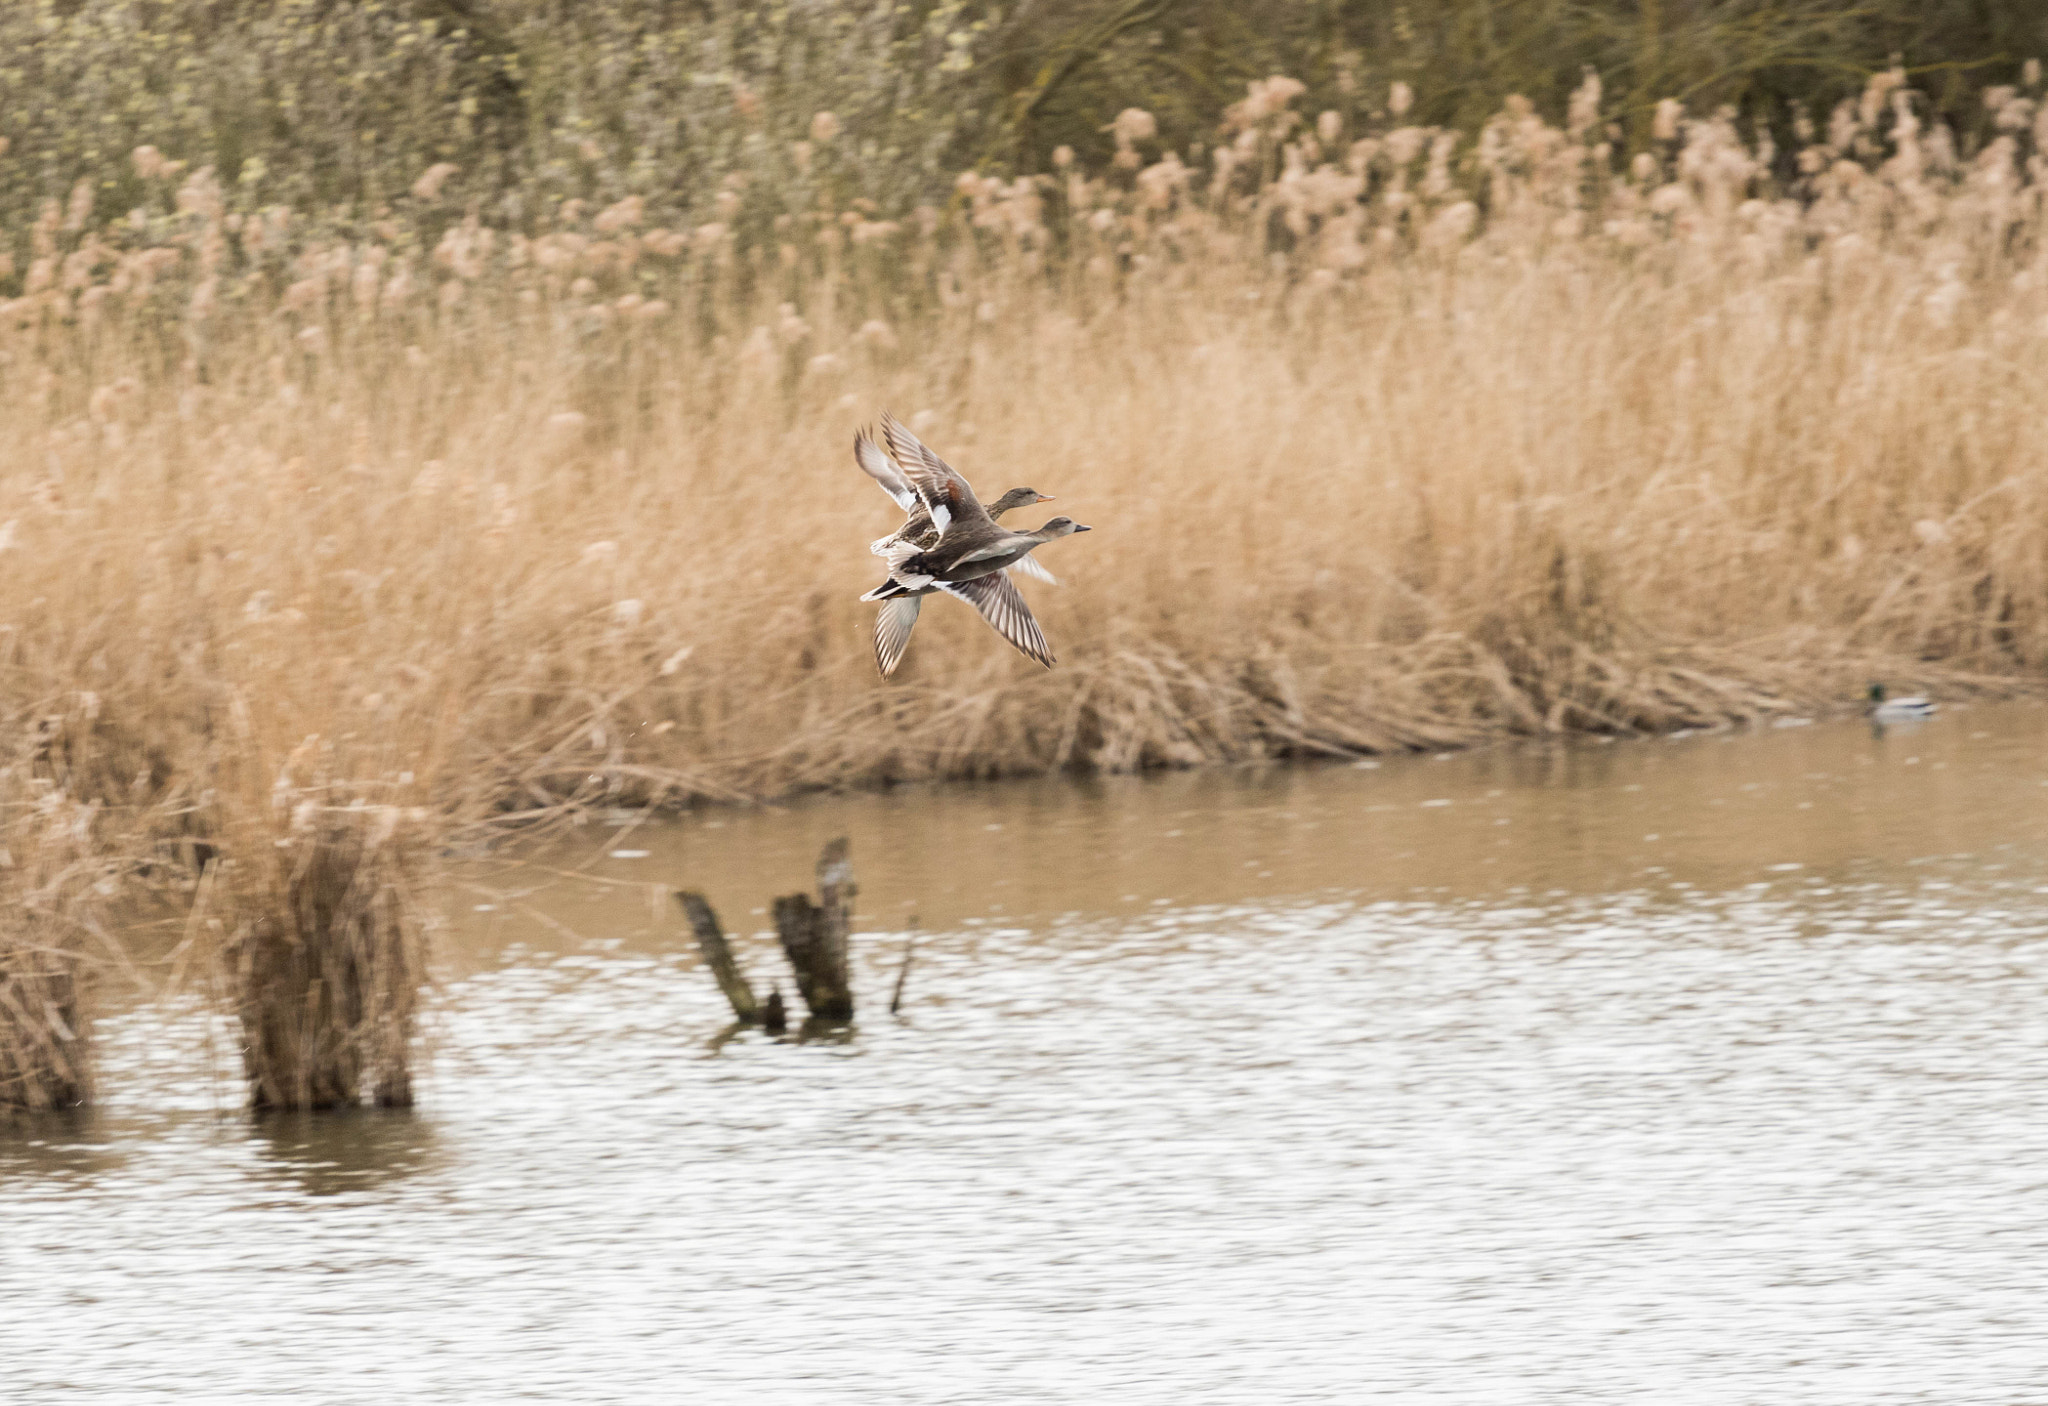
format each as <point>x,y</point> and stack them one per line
<point>940,505</point>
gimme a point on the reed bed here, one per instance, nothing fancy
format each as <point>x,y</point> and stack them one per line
<point>45,1041</point>
<point>1390,440</point>
<point>52,947</point>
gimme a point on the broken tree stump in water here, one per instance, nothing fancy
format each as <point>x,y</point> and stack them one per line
<point>718,956</point>
<point>813,938</point>
<point>814,935</point>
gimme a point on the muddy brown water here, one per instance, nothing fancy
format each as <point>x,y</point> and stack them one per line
<point>1704,1070</point>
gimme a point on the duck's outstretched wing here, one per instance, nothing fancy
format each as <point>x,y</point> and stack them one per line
<point>878,466</point>
<point>893,624</point>
<point>947,496</point>
<point>1029,566</point>
<point>996,597</point>
<point>875,462</point>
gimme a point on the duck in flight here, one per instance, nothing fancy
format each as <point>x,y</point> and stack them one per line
<point>917,522</point>
<point>944,528</point>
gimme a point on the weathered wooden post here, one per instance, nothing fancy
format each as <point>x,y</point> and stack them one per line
<point>718,956</point>
<point>814,935</point>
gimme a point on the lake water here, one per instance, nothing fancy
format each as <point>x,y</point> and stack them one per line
<point>1700,1070</point>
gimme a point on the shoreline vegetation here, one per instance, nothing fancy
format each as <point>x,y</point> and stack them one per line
<point>325,542</point>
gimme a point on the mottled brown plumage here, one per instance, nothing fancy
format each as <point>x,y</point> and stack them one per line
<point>942,515</point>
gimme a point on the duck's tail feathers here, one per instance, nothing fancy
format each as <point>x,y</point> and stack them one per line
<point>898,552</point>
<point>900,586</point>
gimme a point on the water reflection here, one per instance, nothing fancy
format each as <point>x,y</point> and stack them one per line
<point>69,1146</point>
<point>1707,810</point>
<point>809,1031</point>
<point>357,1149</point>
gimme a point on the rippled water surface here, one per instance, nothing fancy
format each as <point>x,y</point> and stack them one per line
<point>1706,1070</point>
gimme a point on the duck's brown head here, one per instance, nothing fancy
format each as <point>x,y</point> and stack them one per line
<point>1017,498</point>
<point>1061,527</point>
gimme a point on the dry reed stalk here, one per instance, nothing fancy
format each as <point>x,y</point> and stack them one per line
<point>44,1035</point>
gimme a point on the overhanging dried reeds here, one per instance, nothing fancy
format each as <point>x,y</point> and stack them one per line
<point>322,955</point>
<point>44,1038</point>
<point>49,949</point>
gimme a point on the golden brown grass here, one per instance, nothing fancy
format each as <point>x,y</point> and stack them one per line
<point>323,952</point>
<point>51,945</point>
<point>512,523</point>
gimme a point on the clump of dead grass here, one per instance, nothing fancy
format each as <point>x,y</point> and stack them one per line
<point>51,945</point>
<point>311,928</point>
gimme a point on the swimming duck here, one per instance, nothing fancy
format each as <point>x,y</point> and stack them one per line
<point>1897,710</point>
<point>988,589</point>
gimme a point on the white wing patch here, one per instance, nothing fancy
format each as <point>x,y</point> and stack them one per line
<point>946,494</point>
